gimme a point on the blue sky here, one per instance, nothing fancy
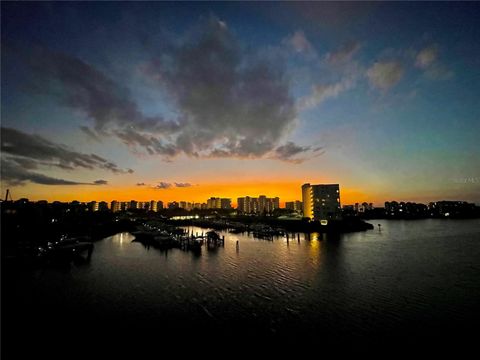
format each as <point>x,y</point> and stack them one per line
<point>380,97</point>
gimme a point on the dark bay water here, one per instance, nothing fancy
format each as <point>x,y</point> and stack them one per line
<point>412,284</point>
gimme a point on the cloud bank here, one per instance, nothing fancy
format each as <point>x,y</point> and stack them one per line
<point>230,101</point>
<point>15,175</point>
<point>24,154</point>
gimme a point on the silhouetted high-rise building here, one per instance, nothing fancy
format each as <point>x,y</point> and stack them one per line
<point>115,206</point>
<point>93,206</point>
<point>133,204</point>
<point>225,203</point>
<point>173,205</point>
<point>321,202</point>
<point>159,205</point>
<point>102,206</point>
<point>294,205</point>
<point>219,203</point>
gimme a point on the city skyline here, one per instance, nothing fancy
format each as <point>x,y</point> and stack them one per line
<point>121,101</point>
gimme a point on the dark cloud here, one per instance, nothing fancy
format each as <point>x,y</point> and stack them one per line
<point>100,182</point>
<point>151,144</point>
<point>229,100</point>
<point>233,102</point>
<point>15,174</point>
<point>100,98</point>
<point>141,184</point>
<point>163,185</point>
<point>182,185</point>
<point>31,151</point>
<point>90,133</point>
<point>166,185</point>
<point>290,151</point>
<point>92,92</point>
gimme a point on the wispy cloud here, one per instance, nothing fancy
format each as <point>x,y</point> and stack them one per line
<point>290,152</point>
<point>14,174</point>
<point>322,92</point>
<point>426,57</point>
<point>439,71</point>
<point>24,155</point>
<point>33,151</point>
<point>299,42</point>
<point>344,54</point>
<point>182,185</point>
<point>427,60</point>
<point>386,74</point>
<point>100,182</point>
<point>162,185</point>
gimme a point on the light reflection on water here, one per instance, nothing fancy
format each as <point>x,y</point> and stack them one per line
<point>419,272</point>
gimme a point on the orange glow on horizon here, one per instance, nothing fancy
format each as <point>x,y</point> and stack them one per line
<point>286,191</point>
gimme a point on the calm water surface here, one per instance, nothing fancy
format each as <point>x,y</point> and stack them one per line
<point>413,282</point>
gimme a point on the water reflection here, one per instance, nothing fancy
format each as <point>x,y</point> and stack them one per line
<point>312,282</point>
<point>314,250</point>
<point>121,239</point>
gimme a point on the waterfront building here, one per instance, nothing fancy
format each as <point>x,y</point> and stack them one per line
<point>451,208</point>
<point>321,202</point>
<point>405,209</point>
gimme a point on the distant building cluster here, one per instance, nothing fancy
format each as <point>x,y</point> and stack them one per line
<point>450,208</point>
<point>357,208</point>
<point>116,206</point>
<point>412,210</point>
<point>260,205</point>
<point>212,203</point>
<point>397,209</point>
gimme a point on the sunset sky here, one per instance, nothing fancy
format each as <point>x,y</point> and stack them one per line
<point>184,101</point>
